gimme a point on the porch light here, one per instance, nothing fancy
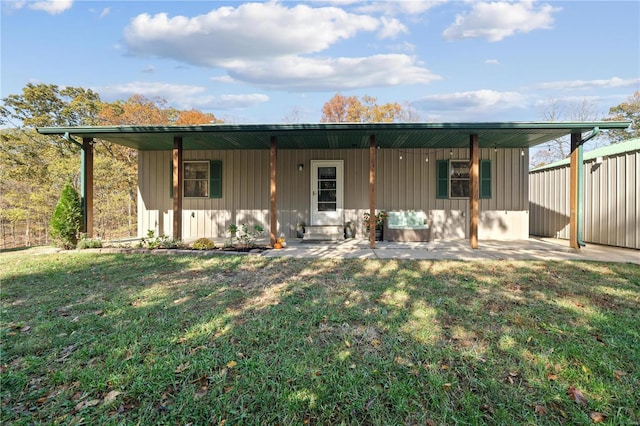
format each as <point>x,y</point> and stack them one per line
<point>522,153</point>
<point>300,167</point>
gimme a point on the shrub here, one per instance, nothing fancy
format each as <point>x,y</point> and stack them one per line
<point>203,244</point>
<point>66,219</point>
<point>87,243</point>
<point>160,242</point>
<point>248,236</point>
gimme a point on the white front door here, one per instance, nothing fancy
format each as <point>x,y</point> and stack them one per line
<point>327,192</point>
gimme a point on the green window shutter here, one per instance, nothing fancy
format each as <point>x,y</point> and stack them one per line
<point>170,179</point>
<point>485,178</point>
<point>215,179</point>
<point>442,179</point>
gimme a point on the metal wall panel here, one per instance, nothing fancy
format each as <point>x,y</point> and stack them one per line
<point>611,201</point>
<point>406,183</point>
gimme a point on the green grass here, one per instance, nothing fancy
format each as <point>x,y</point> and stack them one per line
<point>146,339</point>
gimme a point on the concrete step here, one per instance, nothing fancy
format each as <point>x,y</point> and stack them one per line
<point>323,232</point>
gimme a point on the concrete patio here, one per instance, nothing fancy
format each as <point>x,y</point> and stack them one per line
<point>531,249</point>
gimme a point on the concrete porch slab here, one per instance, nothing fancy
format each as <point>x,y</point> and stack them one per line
<point>530,249</point>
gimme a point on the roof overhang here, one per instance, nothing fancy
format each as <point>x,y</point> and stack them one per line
<point>336,135</point>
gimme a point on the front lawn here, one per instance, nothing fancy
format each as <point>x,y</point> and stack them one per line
<point>144,339</point>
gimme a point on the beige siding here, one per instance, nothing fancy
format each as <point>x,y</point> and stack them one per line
<point>401,184</point>
<point>611,201</point>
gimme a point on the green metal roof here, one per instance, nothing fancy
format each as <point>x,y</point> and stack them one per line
<point>605,151</point>
<point>335,135</point>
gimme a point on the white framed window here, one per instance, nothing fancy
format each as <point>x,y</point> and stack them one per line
<point>196,179</point>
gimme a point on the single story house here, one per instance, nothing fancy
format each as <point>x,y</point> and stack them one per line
<point>610,202</point>
<point>469,179</point>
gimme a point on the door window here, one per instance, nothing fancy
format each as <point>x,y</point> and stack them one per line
<point>327,187</point>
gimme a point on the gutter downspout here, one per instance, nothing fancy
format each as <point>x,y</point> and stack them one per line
<point>580,216</point>
<point>83,179</point>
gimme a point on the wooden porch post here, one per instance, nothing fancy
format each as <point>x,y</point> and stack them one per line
<point>474,190</point>
<point>372,191</point>
<point>87,189</point>
<point>273,153</point>
<point>573,191</point>
<point>177,187</point>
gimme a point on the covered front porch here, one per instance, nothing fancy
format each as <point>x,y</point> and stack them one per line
<point>435,140</point>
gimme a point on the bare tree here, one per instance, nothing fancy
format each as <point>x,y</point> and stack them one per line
<point>565,110</point>
<point>295,116</point>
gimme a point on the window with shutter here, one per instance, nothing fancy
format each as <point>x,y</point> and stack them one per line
<point>202,179</point>
<point>453,179</point>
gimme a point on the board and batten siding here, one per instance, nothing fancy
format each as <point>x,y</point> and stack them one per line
<point>611,201</point>
<point>401,184</point>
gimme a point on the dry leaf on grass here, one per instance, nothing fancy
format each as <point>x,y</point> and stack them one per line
<point>576,395</point>
<point>618,374</point>
<point>85,404</point>
<point>111,396</point>
<point>202,392</point>
<point>540,410</point>
<point>182,367</point>
<point>231,364</point>
<point>597,417</point>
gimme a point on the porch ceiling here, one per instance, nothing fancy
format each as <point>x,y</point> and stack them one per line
<point>336,135</point>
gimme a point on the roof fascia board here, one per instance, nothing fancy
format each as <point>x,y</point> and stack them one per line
<point>221,128</point>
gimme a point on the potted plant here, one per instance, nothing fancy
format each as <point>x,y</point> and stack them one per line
<point>380,217</point>
<point>349,230</point>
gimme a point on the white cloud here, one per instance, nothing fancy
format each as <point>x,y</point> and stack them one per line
<point>413,7</point>
<point>223,79</point>
<point>182,96</point>
<point>270,44</point>
<point>473,101</point>
<point>52,7</point>
<point>101,13</point>
<point>590,84</point>
<point>312,74</point>
<point>404,46</point>
<point>150,89</point>
<point>492,62</point>
<point>498,20</point>
<point>391,28</point>
<point>240,101</point>
<point>255,30</point>
<point>10,6</point>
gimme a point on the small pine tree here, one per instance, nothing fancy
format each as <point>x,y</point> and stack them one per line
<point>66,219</point>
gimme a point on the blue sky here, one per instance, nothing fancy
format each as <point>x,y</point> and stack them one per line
<point>278,61</point>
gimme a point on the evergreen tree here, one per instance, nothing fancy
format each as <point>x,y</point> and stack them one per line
<point>66,219</point>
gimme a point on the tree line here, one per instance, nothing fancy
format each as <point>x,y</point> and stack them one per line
<point>34,168</point>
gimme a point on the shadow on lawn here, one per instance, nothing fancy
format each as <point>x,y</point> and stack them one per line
<point>257,340</point>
